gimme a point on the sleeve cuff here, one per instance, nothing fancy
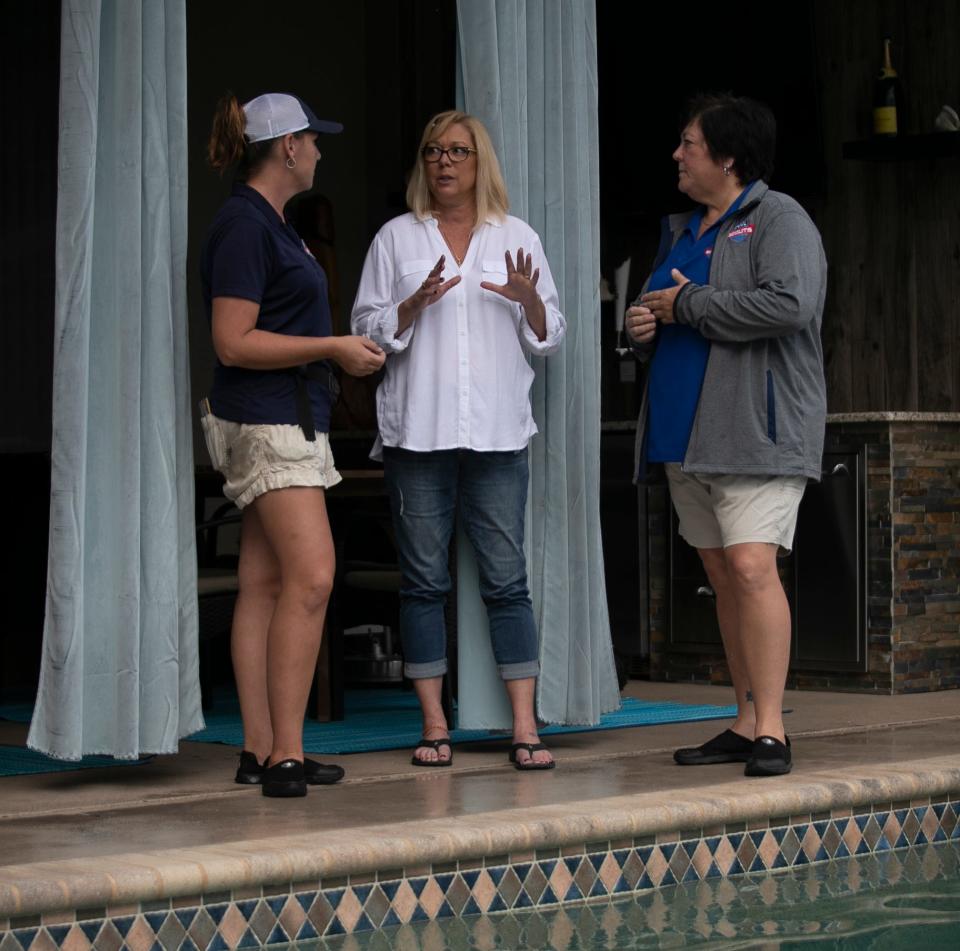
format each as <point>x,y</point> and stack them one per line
<point>386,334</point>
<point>550,342</point>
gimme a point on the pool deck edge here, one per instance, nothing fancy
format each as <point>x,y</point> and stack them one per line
<point>113,881</point>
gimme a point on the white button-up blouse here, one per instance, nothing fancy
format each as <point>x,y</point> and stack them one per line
<point>458,377</point>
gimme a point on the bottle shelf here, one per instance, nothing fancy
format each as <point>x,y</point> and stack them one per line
<point>904,148</point>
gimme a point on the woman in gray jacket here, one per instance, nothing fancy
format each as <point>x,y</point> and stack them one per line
<point>736,399</point>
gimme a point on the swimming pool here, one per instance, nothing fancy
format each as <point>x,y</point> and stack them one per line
<point>908,898</point>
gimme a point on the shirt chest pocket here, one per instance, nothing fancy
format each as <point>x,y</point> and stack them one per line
<point>410,275</point>
<point>494,272</point>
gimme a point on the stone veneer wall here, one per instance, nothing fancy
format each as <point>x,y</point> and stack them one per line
<point>925,634</point>
<point>912,552</point>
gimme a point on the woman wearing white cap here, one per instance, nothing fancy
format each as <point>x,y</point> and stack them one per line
<point>267,423</point>
<point>458,293</point>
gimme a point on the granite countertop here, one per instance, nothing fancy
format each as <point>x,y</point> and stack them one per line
<point>899,417</point>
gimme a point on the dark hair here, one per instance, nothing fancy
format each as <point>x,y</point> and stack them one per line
<point>738,128</point>
<point>228,146</point>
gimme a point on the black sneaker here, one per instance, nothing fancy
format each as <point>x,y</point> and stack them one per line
<point>770,757</point>
<point>284,779</point>
<point>250,772</point>
<point>727,747</point>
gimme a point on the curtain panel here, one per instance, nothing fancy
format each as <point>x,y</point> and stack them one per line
<point>119,671</point>
<point>528,70</point>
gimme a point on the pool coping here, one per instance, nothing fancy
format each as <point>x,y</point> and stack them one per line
<point>132,884</point>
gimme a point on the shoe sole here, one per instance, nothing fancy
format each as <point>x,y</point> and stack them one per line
<point>283,790</point>
<point>324,782</point>
<point>711,760</point>
<point>756,770</point>
<point>255,779</point>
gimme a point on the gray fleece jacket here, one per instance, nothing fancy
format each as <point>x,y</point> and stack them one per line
<point>762,408</point>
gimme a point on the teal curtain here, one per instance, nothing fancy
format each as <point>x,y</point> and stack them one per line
<point>119,669</point>
<point>528,70</point>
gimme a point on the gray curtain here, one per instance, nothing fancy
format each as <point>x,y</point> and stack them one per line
<point>528,70</point>
<point>119,672</point>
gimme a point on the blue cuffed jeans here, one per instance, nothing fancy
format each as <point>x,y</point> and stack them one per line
<point>489,490</point>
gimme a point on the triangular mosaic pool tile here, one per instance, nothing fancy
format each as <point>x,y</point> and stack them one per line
<point>92,928</point>
<point>305,900</point>
<point>249,940</point>
<point>498,904</point>
<point>277,903</point>
<point>471,908</point>
<point>277,936</point>
<point>390,888</point>
<point>58,933</point>
<point>362,892</point>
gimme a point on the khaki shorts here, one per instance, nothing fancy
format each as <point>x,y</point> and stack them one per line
<point>717,511</point>
<point>256,458</point>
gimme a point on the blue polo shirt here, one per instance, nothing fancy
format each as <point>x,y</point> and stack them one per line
<point>680,359</point>
<point>250,252</point>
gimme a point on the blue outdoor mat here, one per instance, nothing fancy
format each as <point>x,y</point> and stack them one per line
<point>390,719</point>
<point>17,761</point>
<point>387,720</point>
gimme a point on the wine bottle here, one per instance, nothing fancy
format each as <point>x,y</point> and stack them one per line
<point>886,95</point>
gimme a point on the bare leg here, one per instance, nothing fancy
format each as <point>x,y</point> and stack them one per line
<point>428,691</point>
<point>715,562</point>
<point>258,576</point>
<point>295,523</point>
<point>764,630</point>
<point>521,693</point>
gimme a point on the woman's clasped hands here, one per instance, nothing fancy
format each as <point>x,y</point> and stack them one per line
<point>641,319</point>
<point>359,356</point>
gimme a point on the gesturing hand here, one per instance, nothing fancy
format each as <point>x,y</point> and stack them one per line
<point>432,289</point>
<point>359,356</point>
<point>661,302</point>
<point>521,285</point>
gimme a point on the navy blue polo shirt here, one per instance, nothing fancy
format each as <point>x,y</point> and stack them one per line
<point>680,360</point>
<point>250,252</point>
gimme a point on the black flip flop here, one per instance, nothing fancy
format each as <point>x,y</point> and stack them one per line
<point>434,745</point>
<point>529,764</point>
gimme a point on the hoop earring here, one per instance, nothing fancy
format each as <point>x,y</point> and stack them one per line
<point>292,162</point>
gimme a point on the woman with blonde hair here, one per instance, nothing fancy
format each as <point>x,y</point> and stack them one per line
<point>266,423</point>
<point>457,315</point>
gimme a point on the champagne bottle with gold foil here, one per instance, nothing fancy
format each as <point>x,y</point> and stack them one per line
<point>886,96</point>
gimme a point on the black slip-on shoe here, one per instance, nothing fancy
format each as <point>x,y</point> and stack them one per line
<point>770,757</point>
<point>726,747</point>
<point>250,772</point>
<point>321,774</point>
<point>284,779</point>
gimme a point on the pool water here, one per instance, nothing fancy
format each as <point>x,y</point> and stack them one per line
<point>884,901</point>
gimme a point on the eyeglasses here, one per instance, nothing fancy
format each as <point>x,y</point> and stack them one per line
<point>456,153</point>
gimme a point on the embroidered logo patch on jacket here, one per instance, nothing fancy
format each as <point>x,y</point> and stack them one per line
<point>741,233</point>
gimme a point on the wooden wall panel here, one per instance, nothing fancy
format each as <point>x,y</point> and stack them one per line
<point>29,104</point>
<point>891,230</point>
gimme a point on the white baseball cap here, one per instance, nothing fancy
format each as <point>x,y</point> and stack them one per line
<point>278,113</point>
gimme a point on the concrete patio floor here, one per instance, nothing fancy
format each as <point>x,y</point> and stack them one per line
<point>189,801</point>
